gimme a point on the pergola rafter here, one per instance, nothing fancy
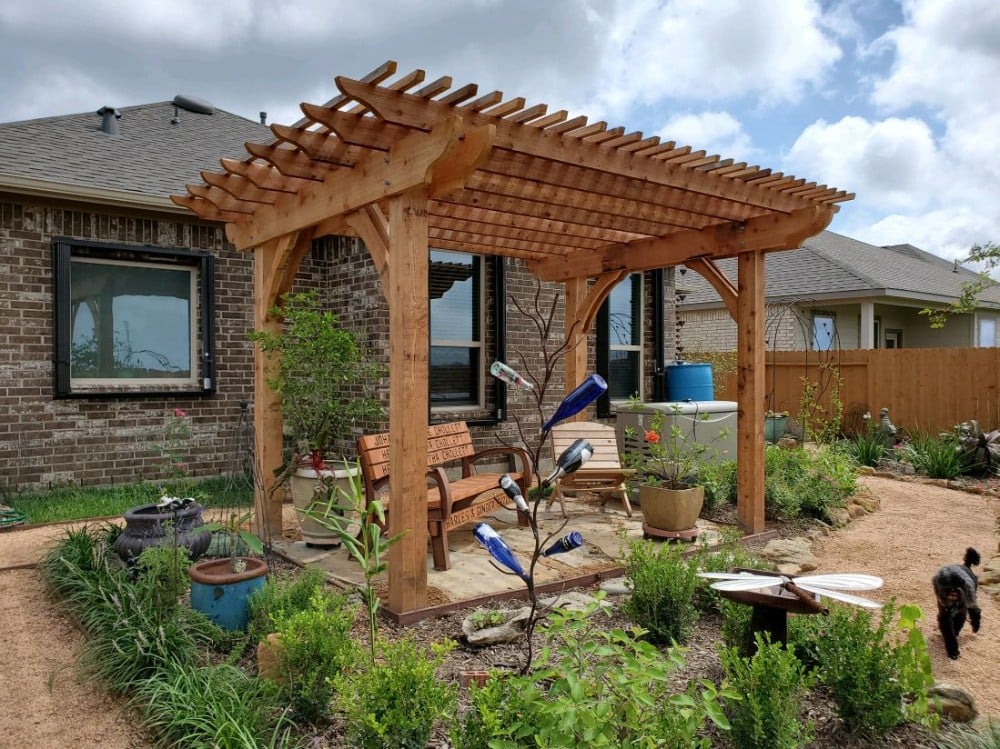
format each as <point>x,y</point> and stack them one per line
<point>405,165</point>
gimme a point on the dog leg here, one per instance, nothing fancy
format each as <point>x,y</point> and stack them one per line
<point>947,633</point>
<point>974,616</point>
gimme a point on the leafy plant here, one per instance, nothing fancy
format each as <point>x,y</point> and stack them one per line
<point>868,673</point>
<point>368,547</point>
<point>821,422</point>
<point>280,598</point>
<point>668,457</point>
<point>662,595</point>
<point>322,375</point>
<point>500,713</point>
<point>483,619</point>
<point>773,684</point>
<point>936,456</point>
<point>798,482</point>
<point>234,529</point>
<point>868,447</point>
<point>394,703</point>
<point>316,645</point>
<point>611,688</point>
<point>718,478</point>
<point>980,450</point>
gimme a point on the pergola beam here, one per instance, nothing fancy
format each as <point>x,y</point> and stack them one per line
<point>771,232</point>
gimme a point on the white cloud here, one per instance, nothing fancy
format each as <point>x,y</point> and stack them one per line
<point>716,132</point>
<point>710,51</point>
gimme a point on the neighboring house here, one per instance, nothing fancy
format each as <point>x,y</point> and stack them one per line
<point>121,307</point>
<point>837,292</point>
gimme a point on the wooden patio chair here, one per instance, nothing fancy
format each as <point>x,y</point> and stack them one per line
<point>603,473</point>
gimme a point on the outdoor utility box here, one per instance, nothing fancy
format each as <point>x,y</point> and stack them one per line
<point>711,423</point>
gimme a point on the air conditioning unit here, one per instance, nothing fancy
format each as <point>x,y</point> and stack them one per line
<point>710,423</point>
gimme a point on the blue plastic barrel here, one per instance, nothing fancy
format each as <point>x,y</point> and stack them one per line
<point>690,381</point>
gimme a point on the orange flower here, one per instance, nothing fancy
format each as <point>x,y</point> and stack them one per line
<point>652,437</point>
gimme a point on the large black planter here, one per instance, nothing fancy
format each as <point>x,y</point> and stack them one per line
<point>147,526</point>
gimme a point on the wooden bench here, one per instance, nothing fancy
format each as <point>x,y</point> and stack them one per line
<point>450,502</point>
<point>603,473</point>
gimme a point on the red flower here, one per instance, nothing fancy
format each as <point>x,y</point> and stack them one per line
<point>652,437</point>
<point>180,413</point>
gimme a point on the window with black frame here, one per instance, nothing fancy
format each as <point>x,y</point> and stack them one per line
<point>625,339</point>
<point>456,354</point>
<point>132,320</point>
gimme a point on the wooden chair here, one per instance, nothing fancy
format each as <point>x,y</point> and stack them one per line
<point>603,473</point>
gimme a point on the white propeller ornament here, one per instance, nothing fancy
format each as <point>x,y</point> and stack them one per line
<point>832,585</point>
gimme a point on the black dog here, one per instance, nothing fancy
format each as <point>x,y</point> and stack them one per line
<point>955,588</point>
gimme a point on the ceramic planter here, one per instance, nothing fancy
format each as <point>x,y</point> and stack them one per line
<point>304,484</point>
<point>222,594</point>
<point>774,428</point>
<point>146,526</point>
<point>671,509</point>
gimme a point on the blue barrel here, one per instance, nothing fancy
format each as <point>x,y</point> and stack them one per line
<point>690,381</point>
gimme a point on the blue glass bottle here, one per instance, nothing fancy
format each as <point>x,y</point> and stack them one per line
<point>498,549</point>
<point>585,393</point>
<point>570,541</point>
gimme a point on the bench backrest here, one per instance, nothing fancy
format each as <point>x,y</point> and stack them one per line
<point>445,443</point>
<point>601,437</point>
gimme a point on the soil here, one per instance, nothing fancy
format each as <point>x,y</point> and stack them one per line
<point>919,527</point>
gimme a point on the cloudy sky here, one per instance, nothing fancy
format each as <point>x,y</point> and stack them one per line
<point>897,101</point>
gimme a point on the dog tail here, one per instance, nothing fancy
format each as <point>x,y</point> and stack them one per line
<point>971,557</point>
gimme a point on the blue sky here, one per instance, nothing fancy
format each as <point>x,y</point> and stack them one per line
<point>894,100</point>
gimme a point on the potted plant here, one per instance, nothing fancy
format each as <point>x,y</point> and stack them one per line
<point>667,459</point>
<point>221,587</point>
<point>325,382</point>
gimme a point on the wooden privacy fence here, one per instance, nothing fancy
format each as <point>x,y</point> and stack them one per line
<point>928,389</point>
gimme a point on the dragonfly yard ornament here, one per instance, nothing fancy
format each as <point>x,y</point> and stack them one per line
<point>773,596</point>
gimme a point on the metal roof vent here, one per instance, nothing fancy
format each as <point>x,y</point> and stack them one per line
<point>109,120</point>
<point>194,104</point>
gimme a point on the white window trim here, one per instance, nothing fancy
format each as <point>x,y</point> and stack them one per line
<point>979,318</point>
<point>633,347</point>
<point>459,342</point>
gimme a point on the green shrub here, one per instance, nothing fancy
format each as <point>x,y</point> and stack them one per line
<point>78,557</point>
<point>867,447</point>
<point>773,685</point>
<point>869,672</point>
<point>735,623</point>
<point>316,645</point>
<point>718,477</point>
<point>936,456</point>
<point>281,596</point>
<point>663,587</point>
<point>162,576</point>
<point>394,703</point>
<point>505,709</point>
<point>728,555</point>
<point>799,483</point>
<point>212,707</point>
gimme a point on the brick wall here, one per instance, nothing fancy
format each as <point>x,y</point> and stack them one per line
<point>107,440</point>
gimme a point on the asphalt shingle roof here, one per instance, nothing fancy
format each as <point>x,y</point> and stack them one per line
<point>150,156</point>
<point>830,265</point>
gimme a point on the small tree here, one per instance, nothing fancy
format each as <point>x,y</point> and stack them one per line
<point>989,256</point>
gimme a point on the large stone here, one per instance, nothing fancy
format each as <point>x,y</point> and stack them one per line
<point>838,516</point>
<point>269,659</point>
<point>991,572</point>
<point>791,556</point>
<point>510,630</point>
<point>953,702</point>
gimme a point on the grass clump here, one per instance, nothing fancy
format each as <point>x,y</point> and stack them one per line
<point>938,456</point>
<point>773,684</point>
<point>663,586</point>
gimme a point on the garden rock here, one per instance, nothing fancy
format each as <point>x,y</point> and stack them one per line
<point>571,601</point>
<point>619,586</point>
<point>989,578</point>
<point>269,658</point>
<point>867,502</point>
<point>791,556</point>
<point>511,630</point>
<point>838,516</point>
<point>953,702</point>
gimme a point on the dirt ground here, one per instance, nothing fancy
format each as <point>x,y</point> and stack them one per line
<point>918,528</point>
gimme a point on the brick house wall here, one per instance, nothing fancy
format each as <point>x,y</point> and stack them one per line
<point>105,440</point>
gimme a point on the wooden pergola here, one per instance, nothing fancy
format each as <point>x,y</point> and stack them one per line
<point>406,165</point>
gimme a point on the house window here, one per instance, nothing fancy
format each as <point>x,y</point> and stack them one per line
<point>132,320</point>
<point>823,332</point>
<point>456,356</point>
<point>625,338</point>
<point>986,331</point>
<point>893,338</point>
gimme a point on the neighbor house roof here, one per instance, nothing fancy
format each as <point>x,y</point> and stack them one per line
<point>830,267</point>
<point>150,157</point>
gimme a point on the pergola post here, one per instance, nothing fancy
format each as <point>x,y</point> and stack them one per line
<point>576,336</point>
<point>750,391</point>
<point>409,400</point>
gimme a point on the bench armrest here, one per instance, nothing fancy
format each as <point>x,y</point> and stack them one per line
<point>435,476</point>
<point>468,464</point>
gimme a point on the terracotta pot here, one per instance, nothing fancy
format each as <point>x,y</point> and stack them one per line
<point>307,488</point>
<point>671,509</point>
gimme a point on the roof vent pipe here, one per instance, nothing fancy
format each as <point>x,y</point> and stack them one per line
<point>176,119</point>
<point>263,118</point>
<point>109,120</point>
